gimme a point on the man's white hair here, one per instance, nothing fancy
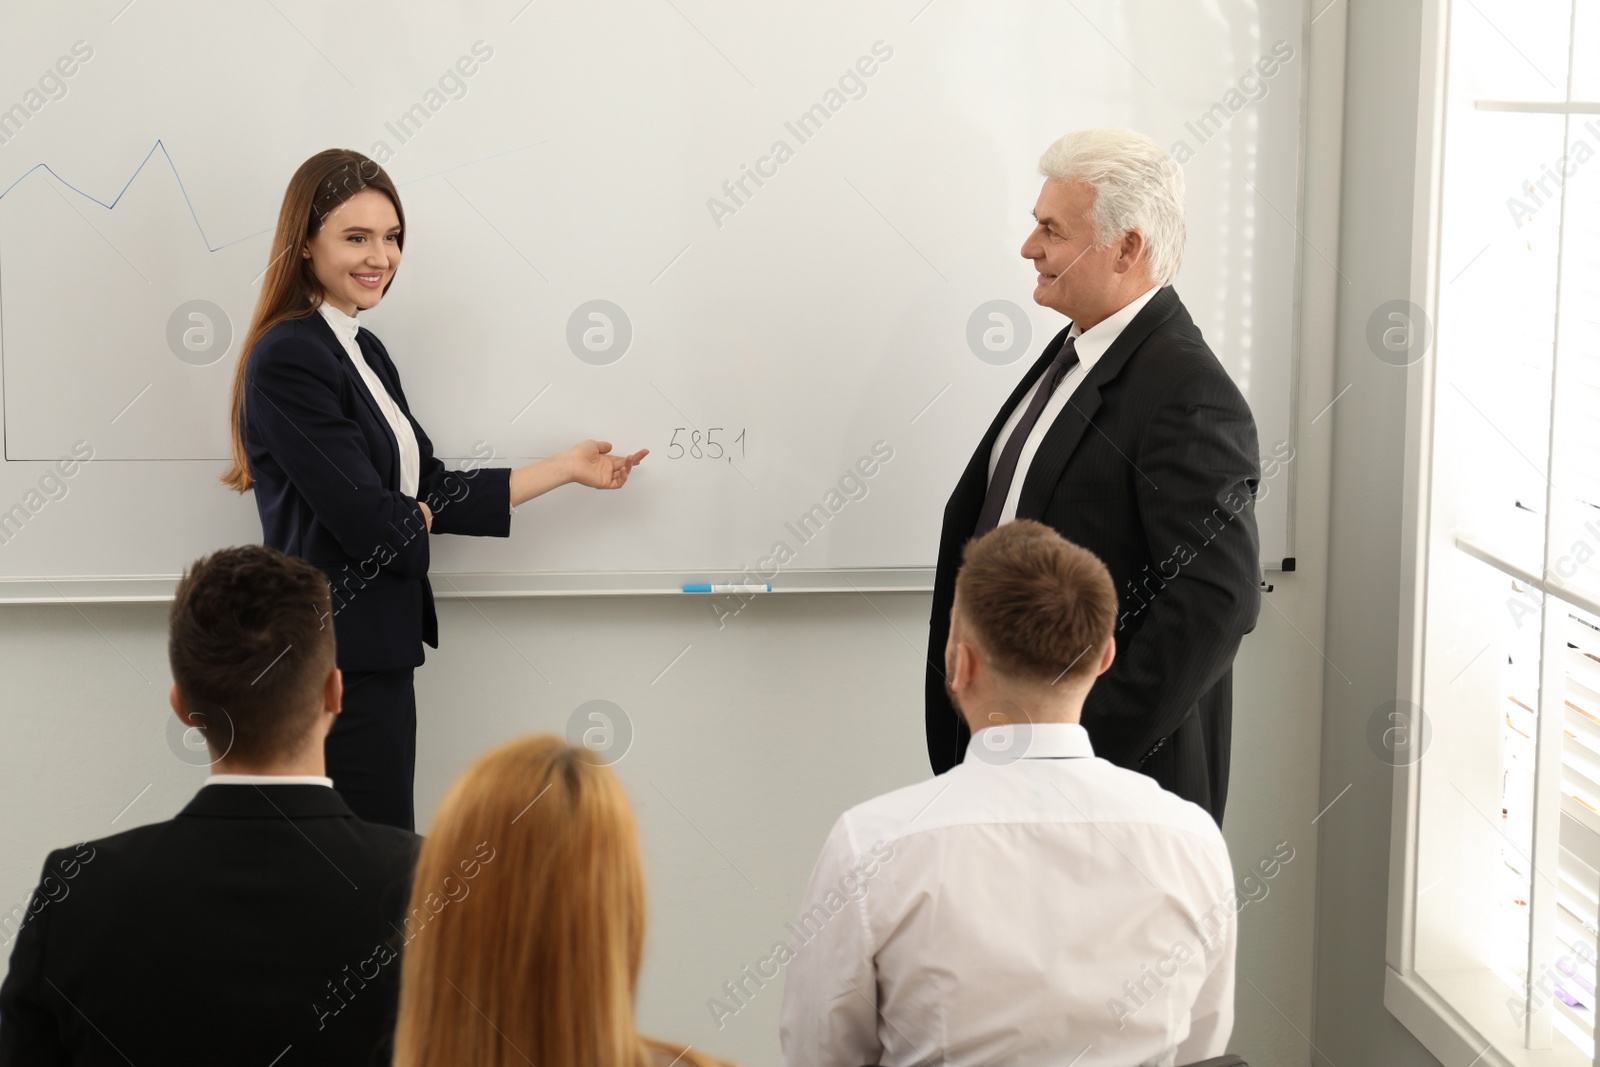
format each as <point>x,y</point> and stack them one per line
<point>1137,186</point>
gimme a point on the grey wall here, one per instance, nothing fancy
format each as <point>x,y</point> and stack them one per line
<point>1352,1026</point>
<point>745,751</point>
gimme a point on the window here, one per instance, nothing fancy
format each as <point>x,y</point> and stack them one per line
<point>1495,892</point>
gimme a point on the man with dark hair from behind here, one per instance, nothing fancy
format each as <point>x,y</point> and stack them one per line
<point>256,927</point>
<point>1034,905</point>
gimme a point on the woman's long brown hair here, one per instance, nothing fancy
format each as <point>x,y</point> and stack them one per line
<point>534,957</point>
<point>289,289</point>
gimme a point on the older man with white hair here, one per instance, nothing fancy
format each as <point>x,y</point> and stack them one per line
<point>1127,437</point>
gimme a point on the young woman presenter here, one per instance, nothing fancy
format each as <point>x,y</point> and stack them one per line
<point>346,479</point>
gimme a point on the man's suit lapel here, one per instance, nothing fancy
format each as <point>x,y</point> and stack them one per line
<point>967,500</point>
<point>325,332</point>
<point>1064,434</point>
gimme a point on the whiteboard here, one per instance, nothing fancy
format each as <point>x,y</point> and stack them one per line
<point>784,238</point>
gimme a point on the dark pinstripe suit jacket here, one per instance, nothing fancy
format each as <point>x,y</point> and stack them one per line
<point>1153,466</point>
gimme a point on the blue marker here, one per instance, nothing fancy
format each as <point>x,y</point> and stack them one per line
<point>727,589</point>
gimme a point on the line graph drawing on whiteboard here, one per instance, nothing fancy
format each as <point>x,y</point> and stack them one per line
<point>193,308</point>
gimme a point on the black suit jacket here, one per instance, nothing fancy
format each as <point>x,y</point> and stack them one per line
<point>327,482</point>
<point>257,924</point>
<point>1152,466</point>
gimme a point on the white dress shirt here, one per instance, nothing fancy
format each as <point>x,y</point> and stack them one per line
<point>344,328</point>
<point>268,779</point>
<point>1091,345</point>
<point>1023,912</point>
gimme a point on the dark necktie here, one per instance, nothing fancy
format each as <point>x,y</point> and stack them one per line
<point>1005,470</point>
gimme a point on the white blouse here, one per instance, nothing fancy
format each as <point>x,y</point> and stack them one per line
<point>344,328</point>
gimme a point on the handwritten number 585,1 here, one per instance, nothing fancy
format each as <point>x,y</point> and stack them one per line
<point>704,445</point>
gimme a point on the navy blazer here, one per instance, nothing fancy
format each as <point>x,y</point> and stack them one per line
<point>1153,467</point>
<point>326,468</point>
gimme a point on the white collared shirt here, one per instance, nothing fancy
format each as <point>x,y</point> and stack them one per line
<point>344,328</point>
<point>268,779</point>
<point>1091,345</point>
<point>1022,911</point>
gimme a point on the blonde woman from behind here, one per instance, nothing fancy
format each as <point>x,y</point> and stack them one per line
<point>527,920</point>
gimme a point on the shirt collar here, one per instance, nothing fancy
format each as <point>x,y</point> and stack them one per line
<point>1092,343</point>
<point>1030,740</point>
<point>269,779</point>
<point>344,326</point>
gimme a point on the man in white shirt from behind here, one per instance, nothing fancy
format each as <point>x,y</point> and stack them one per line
<point>1034,904</point>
